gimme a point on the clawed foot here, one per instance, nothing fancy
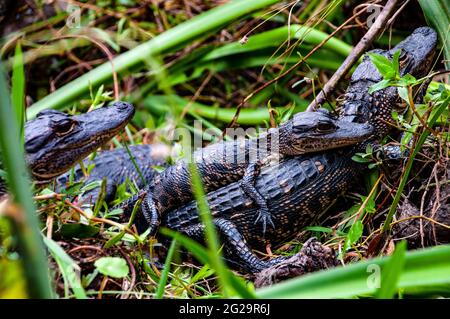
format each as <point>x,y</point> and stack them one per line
<point>265,218</point>
<point>391,152</point>
<point>150,214</point>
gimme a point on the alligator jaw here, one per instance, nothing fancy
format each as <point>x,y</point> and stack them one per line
<point>49,153</point>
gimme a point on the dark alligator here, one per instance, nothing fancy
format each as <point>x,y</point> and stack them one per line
<point>117,168</point>
<point>310,132</point>
<point>55,141</point>
<point>300,188</point>
<point>240,160</point>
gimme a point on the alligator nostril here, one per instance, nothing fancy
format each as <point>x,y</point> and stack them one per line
<point>122,105</point>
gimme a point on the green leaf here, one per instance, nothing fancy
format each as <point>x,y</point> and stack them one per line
<point>353,235</point>
<point>379,86</point>
<point>407,80</point>
<point>395,63</point>
<point>68,267</point>
<point>115,212</point>
<point>115,239</point>
<point>211,236</point>
<point>395,115</point>
<point>319,229</point>
<point>161,104</point>
<point>115,267</point>
<point>359,159</point>
<point>202,274</point>
<point>403,93</point>
<point>390,274</point>
<point>105,37</point>
<point>90,186</point>
<point>158,168</point>
<point>372,165</point>
<point>78,231</point>
<point>275,38</point>
<point>383,65</point>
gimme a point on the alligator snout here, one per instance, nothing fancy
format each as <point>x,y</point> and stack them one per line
<point>123,106</point>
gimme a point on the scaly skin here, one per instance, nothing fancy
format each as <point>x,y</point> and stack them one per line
<point>300,188</point>
<point>297,190</point>
<point>223,163</point>
<point>117,167</point>
<point>55,141</point>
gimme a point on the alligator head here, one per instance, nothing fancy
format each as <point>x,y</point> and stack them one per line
<point>55,141</point>
<point>417,53</point>
<point>318,131</point>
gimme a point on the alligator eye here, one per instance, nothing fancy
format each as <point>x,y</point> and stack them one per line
<point>325,127</point>
<point>64,127</point>
<point>39,170</point>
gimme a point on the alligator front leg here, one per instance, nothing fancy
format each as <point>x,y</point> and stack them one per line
<point>236,249</point>
<point>388,152</point>
<point>248,186</point>
<point>147,215</point>
<point>150,213</point>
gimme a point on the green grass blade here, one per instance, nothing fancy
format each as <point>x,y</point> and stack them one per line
<point>357,279</point>
<point>201,253</point>
<point>18,90</point>
<point>230,284</point>
<point>27,226</point>
<point>391,275</point>
<point>194,247</point>
<point>165,273</point>
<point>133,160</point>
<point>198,27</point>
<point>159,104</point>
<point>211,237</point>
<point>276,37</point>
<point>437,13</point>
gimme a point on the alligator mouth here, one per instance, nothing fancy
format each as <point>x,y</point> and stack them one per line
<point>84,148</point>
<point>98,139</point>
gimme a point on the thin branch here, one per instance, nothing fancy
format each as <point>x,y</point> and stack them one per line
<point>356,53</point>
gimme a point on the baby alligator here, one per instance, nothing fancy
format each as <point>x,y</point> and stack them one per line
<point>117,168</point>
<point>55,141</point>
<point>300,188</point>
<point>221,164</point>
